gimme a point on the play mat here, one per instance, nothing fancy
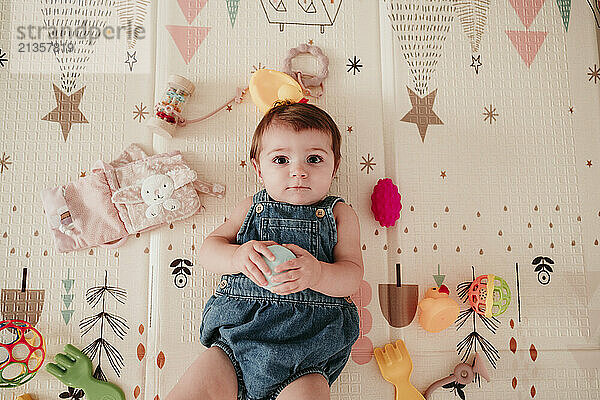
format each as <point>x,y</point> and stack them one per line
<point>486,115</point>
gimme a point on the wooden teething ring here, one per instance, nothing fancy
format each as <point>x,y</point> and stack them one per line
<point>307,81</point>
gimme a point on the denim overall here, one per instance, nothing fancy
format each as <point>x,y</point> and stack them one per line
<point>272,339</point>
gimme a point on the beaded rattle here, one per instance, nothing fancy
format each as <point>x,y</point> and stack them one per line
<point>168,111</point>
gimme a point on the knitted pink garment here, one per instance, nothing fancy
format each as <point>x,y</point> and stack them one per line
<point>124,197</point>
<point>93,218</point>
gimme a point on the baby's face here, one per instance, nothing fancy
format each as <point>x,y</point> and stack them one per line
<point>295,167</point>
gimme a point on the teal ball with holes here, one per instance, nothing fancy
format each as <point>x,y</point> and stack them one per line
<point>282,255</point>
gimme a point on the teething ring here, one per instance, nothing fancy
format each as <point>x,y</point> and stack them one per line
<point>306,80</point>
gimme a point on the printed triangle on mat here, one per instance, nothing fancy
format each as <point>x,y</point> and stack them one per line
<point>67,314</point>
<point>527,10</point>
<point>232,10</point>
<point>188,39</point>
<point>527,43</point>
<point>565,11</point>
<point>67,299</point>
<point>191,8</point>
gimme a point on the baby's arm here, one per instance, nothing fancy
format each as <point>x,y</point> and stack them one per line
<point>220,254</point>
<point>343,277</point>
<point>340,279</point>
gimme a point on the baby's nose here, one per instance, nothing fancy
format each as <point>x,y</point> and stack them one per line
<point>298,172</point>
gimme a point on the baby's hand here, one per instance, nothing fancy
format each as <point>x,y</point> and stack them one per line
<point>298,274</point>
<point>247,259</point>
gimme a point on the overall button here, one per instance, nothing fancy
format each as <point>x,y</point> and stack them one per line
<point>349,299</point>
<point>320,213</point>
<point>259,208</point>
<point>223,283</point>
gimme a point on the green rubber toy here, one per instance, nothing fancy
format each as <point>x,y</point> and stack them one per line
<point>75,369</point>
<point>282,254</point>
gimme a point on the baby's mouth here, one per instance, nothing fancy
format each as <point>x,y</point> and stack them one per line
<point>299,187</point>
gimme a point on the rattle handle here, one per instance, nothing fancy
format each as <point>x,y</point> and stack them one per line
<point>438,384</point>
<point>191,121</point>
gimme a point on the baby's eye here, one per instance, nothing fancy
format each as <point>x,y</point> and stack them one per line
<point>314,159</point>
<point>280,160</point>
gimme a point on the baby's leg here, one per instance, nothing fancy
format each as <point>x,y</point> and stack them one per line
<point>211,376</point>
<point>309,387</point>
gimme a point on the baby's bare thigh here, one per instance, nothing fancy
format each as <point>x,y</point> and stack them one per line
<point>307,387</point>
<point>211,376</point>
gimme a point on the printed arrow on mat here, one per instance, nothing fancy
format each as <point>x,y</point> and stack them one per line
<point>188,39</point>
<point>439,278</point>
<point>527,43</point>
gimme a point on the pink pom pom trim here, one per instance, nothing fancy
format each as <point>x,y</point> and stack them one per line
<point>385,202</point>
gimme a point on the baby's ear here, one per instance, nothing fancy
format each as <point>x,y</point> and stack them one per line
<point>256,166</point>
<point>128,195</point>
<point>335,167</point>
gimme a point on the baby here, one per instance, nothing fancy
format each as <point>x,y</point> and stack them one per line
<point>290,341</point>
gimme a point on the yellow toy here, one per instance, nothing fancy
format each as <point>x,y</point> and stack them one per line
<point>25,396</point>
<point>396,366</point>
<point>267,87</point>
<point>437,310</point>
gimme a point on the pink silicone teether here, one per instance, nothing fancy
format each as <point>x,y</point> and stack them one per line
<point>385,202</point>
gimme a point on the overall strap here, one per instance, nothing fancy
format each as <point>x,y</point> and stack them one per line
<point>260,196</point>
<point>330,201</point>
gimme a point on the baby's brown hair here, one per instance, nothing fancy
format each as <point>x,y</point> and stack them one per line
<point>298,116</point>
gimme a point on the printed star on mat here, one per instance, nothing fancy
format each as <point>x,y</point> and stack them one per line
<point>140,112</point>
<point>310,42</point>
<point>571,110</point>
<point>476,63</point>
<point>349,129</point>
<point>443,174</point>
<point>354,65</point>
<point>229,107</point>
<point>3,58</point>
<point>422,113</point>
<point>367,163</point>
<point>589,163</point>
<point>595,74</point>
<point>243,163</point>
<point>4,162</point>
<point>67,110</point>
<point>82,174</point>
<point>491,114</point>
<point>131,60</point>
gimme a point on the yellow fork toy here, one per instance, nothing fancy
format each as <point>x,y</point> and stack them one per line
<point>396,366</point>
